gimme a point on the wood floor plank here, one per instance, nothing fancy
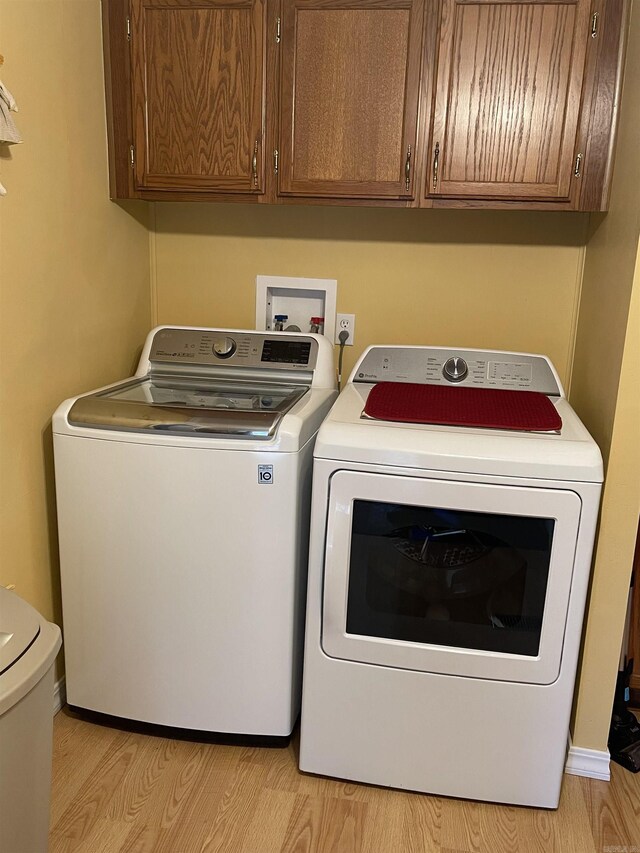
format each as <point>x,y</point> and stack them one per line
<point>537,830</point>
<point>190,837</point>
<point>145,772</point>
<point>422,824</point>
<point>328,788</point>
<point>461,829</point>
<point>69,731</point>
<point>614,812</point>
<point>119,792</point>
<point>90,804</point>
<point>106,836</point>
<point>269,823</point>
<point>193,823</point>
<point>341,827</point>
<point>384,825</point>
<point>281,765</point>
<point>321,825</point>
<point>625,788</point>
<point>498,829</point>
<point>215,774</point>
<point>230,824</point>
<point>142,838</point>
<point>451,850</point>
<point>78,749</point>
<point>572,819</point>
<point>304,826</point>
<point>174,787</point>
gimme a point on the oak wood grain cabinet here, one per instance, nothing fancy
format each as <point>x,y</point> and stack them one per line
<point>350,80</point>
<point>197,95</point>
<point>508,92</point>
<point>405,103</point>
<point>516,101</point>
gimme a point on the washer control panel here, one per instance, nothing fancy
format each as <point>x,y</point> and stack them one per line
<point>258,350</point>
<point>469,368</point>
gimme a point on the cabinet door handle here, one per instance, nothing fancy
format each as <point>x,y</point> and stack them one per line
<point>436,159</point>
<point>407,170</point>
<point>577,166</point>
<point>254,164</point>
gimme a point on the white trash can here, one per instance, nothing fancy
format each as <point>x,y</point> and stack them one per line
<point>28,648</point>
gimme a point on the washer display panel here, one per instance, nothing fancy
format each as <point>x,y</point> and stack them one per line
<point>460,578</point>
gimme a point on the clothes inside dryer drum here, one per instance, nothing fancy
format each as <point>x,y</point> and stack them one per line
<point>527,411</point>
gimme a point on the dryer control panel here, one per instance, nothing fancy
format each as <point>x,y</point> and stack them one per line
<point>464,367</point>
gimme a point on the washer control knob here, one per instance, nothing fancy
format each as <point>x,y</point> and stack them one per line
<point>224,347</point>
<point>455,369</point>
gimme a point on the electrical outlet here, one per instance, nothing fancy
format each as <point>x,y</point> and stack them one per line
<point>346,323</point>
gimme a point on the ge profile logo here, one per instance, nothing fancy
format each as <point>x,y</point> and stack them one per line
<point>265,475</point>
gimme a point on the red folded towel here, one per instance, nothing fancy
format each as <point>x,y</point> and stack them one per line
<point>473,407</point>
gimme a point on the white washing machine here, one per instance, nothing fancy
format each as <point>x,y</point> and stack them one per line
<point>455,499</point>
<point>183,510</point>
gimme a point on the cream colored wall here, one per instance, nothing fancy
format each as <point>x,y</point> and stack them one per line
<point>74,269</point>
<point>463,278</point>
<point>608,347</point>
<point>614,549</point>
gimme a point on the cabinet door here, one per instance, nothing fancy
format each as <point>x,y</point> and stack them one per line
<point>507,98</point>
<point>199,92</point>
<point>349,88</point>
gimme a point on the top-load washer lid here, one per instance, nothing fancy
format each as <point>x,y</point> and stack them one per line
<point>493,408</point>
<point>234,384</point>
<point>193,405</point>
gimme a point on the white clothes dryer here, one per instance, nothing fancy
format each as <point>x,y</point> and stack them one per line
<point>183,509</point>
<point>454,508</point>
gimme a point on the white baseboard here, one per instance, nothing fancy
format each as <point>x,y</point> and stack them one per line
<point>593,763</point>
<point>59,695</point>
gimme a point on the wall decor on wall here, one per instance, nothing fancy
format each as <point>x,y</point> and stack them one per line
<point>9,133</point>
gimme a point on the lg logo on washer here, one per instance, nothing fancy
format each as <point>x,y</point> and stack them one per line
<point>265,475</point>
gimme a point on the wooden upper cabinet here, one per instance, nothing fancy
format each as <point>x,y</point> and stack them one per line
<point>432,103</point>
<point>198,94</point>
<point>507,99</point>
<point>350,78</point>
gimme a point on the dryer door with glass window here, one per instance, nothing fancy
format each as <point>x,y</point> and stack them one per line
<point>459,578</point>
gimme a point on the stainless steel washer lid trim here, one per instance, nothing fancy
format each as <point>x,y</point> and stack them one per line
<point>104,410</point>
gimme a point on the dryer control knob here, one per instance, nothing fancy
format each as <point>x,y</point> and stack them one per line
<point>455,369</point>
<point>224,347</point>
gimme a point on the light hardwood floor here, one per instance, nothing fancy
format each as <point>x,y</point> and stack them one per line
<point>118,791</point>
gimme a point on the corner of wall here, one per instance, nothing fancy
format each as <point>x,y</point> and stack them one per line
<point>575,311</point>
<point>153,263</point>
